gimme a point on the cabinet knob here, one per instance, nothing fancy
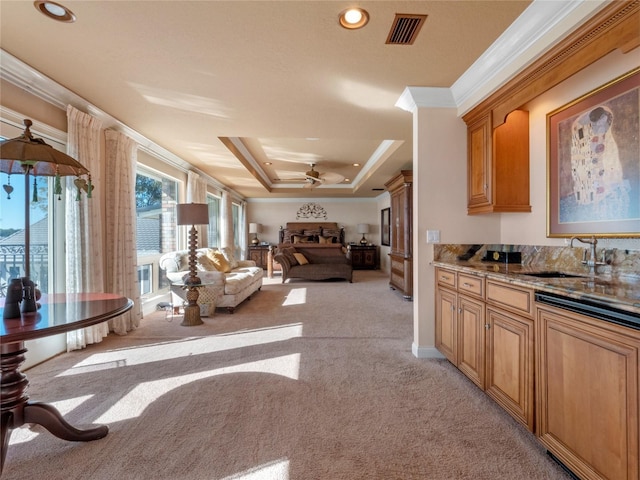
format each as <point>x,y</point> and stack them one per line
<point>487,326</point>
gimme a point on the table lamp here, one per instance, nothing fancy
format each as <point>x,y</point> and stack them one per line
<point>32,157</point>
<point>193,214</point>
<point>255,228</point>
<point>363,228</point>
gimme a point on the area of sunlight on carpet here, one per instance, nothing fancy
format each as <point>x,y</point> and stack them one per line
<point>276,470</point>
<point>185,347</point>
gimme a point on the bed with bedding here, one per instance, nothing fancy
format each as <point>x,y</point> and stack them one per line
<point>313,251</point>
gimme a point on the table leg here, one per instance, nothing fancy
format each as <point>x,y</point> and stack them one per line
<point>16,410</point>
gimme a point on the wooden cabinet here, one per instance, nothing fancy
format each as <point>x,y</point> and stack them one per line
<point>400,251</point>
<point>587,393</point>
<point>510,350</point>
<point>364,257</point>
<point>498,165</point>
<point>486,330</point>
<point>460,324</point>
<point>260,255</point>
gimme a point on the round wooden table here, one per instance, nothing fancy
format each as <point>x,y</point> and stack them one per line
<point>60,313</point>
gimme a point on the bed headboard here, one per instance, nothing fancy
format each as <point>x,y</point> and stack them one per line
<point>326,229</point>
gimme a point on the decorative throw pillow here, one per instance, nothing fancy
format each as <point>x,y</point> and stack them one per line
<point>313,234</point>
<point>289,255</point>
<point>331,232</point>
<point>229,256</point>
<point>286,237</point>
<point>220,262</point>
<point>323,240</point>
<point>300,239</point>
<point>302,260</point>
<point>204,263</point>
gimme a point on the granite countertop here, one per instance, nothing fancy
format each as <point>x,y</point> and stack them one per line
<point>614,289</point>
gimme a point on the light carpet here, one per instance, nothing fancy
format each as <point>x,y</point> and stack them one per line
<point>307,380</point>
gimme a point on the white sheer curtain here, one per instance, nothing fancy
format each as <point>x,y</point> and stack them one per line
<point>197,193</point>
<point>84,259</point>
<point>121,260</point>
<point>226,221</point>
<point>242,225</point>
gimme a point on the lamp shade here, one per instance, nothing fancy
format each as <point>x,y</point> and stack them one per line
<point>255,228</point>
<point>193,214</point>
<point>363,228</point>
<point>41,159</point>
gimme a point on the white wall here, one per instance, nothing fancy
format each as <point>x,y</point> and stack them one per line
<point>272,213</point>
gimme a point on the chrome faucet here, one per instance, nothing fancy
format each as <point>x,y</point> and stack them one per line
<point>592,263</point>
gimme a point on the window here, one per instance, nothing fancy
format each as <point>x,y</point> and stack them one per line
<point>44,210</point>
<point>156,198</point>
<point>213,232</point>
<point>235,214</point>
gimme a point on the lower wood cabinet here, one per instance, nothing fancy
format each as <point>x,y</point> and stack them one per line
<point>587,399</point>
<point>460,324</point>
<point>480,333</point>
<point>510,364</point>
<point>571,379</point>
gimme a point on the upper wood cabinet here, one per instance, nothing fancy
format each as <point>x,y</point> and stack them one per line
<point>498,170</point>
<point>498,165</point>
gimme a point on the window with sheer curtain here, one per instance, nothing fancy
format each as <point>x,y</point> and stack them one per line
<point>156,198</point>
<point>213,236</point>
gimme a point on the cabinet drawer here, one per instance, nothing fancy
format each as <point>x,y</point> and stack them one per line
<point>471,285</point>
<point>446,277</point>
<point>510,297</point>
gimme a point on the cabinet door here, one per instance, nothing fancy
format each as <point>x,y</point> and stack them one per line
<point>471,345</point>
<point>510,361</point>
<point>587,394</point>
<point>447,324</point>
<point>479,163</point>
<point>397,223</point>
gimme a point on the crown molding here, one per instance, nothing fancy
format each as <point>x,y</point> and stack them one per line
<point>537,29</point>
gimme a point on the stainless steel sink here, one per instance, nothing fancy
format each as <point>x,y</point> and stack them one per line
<point>552,274</point>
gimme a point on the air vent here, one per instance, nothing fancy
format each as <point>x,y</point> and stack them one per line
<point>405,29</point>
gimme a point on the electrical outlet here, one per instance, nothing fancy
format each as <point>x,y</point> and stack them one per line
<point>433,236</point>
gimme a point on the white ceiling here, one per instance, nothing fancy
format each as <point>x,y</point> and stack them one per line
<point>263,81</point>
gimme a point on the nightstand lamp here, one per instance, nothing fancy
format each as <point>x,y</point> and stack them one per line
<point>193,214</point>
<point>255,229</point>
<point>363,228</point>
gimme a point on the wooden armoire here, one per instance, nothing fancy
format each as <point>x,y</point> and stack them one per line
<point>400,254</point>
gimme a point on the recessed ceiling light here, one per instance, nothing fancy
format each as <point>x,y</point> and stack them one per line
<point>268,163</point>
<point>353,18</point>
<point>55,10</point>
<point>356,164</point>
<point>347,180</point>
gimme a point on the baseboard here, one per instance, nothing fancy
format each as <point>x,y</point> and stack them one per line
<point>425,352</point>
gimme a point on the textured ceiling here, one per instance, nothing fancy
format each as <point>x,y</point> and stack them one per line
<point>230,85</point>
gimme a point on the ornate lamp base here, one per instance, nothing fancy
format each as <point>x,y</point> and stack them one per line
<point>192,309</point>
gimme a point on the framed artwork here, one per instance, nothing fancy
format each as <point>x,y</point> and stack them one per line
<point>593,162</point>
<point>385,226</point>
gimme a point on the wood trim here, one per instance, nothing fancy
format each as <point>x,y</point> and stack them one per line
<point>614,27</point>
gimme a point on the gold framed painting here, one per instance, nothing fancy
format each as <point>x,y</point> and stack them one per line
<point>593,162</point>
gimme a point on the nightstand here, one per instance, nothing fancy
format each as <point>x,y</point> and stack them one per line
<point>364,257</point>
<point>260,255</point>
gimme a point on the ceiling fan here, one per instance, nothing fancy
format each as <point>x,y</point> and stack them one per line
<point>315,178</point>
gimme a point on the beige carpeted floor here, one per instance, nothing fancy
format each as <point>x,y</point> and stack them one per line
<point>308,380</point>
